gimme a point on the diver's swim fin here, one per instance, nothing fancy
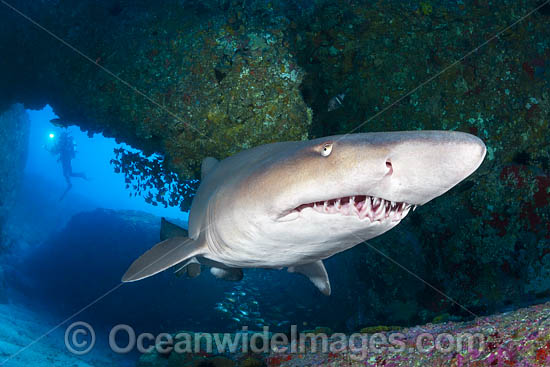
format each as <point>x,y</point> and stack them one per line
<point>65,192</point>
<point>162,256</point>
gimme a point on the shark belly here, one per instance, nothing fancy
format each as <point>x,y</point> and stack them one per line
<point>289,244</point>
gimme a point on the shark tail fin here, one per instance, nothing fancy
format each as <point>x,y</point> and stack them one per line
<point>163,256</point>
<point>169,230</point>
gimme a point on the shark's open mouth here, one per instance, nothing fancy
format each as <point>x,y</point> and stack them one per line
<point>363,206</point>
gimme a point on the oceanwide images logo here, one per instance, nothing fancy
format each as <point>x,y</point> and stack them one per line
<point>80,339</point>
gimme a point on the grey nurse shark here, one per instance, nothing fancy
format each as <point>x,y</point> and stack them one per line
<point>294,204</point>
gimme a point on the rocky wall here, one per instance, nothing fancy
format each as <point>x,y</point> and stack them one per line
<point>14,136</point>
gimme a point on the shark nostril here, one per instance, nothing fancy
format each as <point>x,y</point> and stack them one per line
<point>389,168</point>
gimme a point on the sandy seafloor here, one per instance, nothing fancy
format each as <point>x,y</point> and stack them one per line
<point>19,327</point>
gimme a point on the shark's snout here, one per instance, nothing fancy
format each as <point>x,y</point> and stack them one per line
<point>426,165</point>
<point>474,150</point>
<point>407,168</point>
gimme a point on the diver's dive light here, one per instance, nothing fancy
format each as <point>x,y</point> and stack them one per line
<point>52,135</point>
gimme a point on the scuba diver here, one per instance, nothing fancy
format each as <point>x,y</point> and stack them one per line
<point>64,147</point>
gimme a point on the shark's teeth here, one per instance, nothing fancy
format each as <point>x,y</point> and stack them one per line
<point>362,206</point>
<point>380,213</point>
<point>368,208</point>
<point>406,211</point>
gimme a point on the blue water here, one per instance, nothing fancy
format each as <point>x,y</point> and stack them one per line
<point>63,264</point>
<point>77,249</point>
<point>93,157</point>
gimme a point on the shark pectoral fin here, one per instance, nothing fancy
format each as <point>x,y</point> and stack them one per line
<point>191,268</point>
<point>231,274</point>
<point>169,230</point>
<point>161,257</point>
<point>317,273</point>
<point>207,166</point>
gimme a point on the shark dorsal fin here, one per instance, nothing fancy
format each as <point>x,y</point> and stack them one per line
<point>169,230</point>
<point>207,166</point>
<point>315,272</point>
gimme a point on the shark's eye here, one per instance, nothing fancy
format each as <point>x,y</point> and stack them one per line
<point>327,149</point>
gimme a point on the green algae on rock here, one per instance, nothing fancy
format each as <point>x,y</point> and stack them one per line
<point>181,85</point>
